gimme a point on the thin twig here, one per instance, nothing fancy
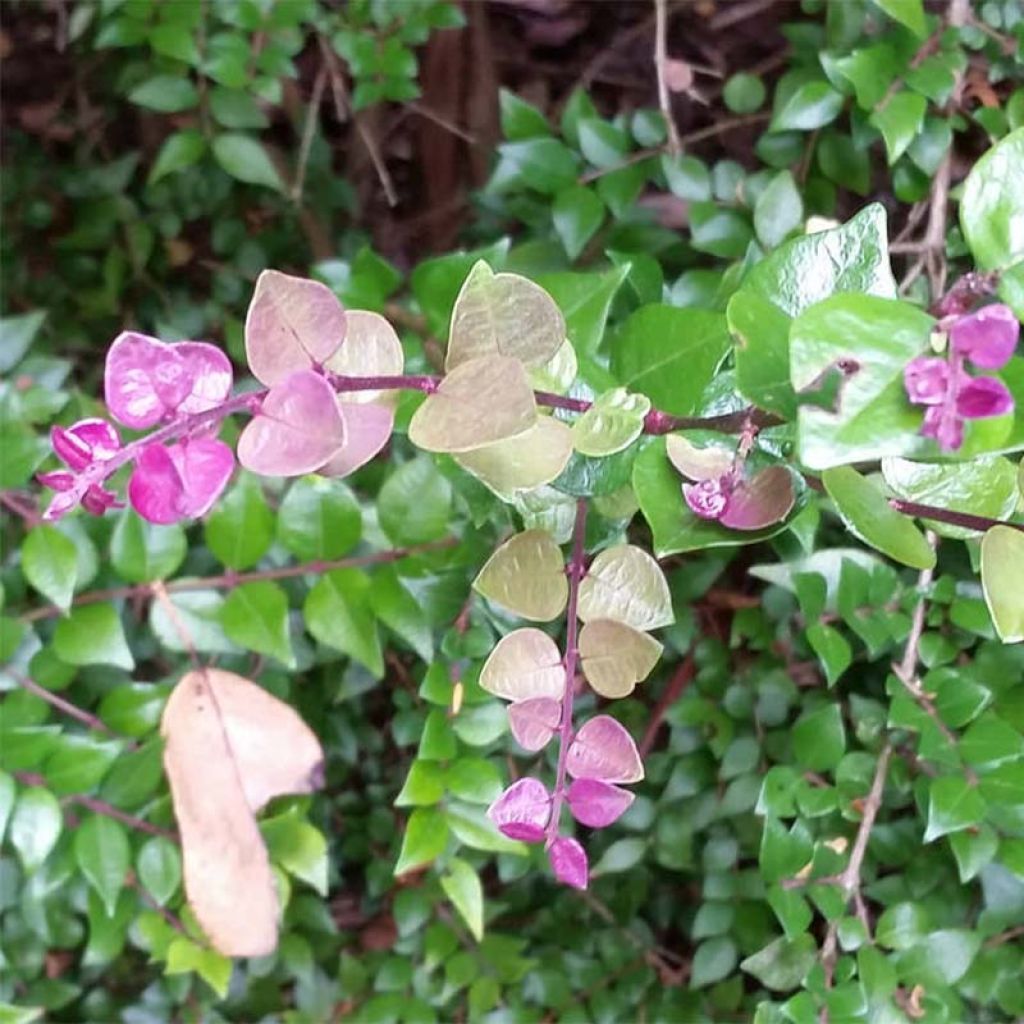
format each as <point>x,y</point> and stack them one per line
<point>109,811</point>
<point>60,703</point>
<point>947,515</point>
<point>661,68</point>
<point>229,580</point>
<point>308,132</point>
<point>159,591</point>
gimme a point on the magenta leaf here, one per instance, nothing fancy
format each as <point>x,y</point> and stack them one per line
<point>926,380</point>
<point>210,372</point>
<point>597,804</point>
<point>297,430</point>
<point>292,324</point>
<point>98,499</point>
<point>534,721</point>
<point>86,441</point>
<point>179,481</point>
<point>602,749</point>
<point>144,380</point>
<point>569,862</point>
<point>987,337</point>
<point>707,499</point>
<point>982,397</point>
<point>62,502</point>
<point>522,811</point>
<point>764,499</point>
<point>367,429</point>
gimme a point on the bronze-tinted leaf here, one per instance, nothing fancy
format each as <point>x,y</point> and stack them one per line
<point>522,463</point>
<point>526,575</point>
<point>526,663</point>
<point>626,584</point>
<point>615,657</point>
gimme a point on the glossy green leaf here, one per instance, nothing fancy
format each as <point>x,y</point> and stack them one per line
<point>246,159</point>
<point>185,956</point>
<point>1002,569</point>
<point>907,12</point>
<point>180,150</point>
<point>783,963</point>
<point>462,886</point>
<point>576,213</point>
<point>414,504</point>
<point>35,826</point>
<point>819,738</point>
<point>92,635</point>
<point>319,519</point>
<point>298,847</point>
<point>255,616</point>
<point>426,835</point>
<point>953,805</point>
<point>159,868</point>
<point>585,301</point>
<point>399,610</point>
<point>50,564</point>
<point>899,121</point>
<point>761,333</point>
<point>812,105</point>
<point>870,340</point>
<point>867,514</point>
<point>104,855</point>
<point>713,960</point>
<point>337,613</point>
<point>142,552</point>
<point>832,648</point>
<point>778,211</point>
<point>167,94</point>
<point>240,528</point>
<point>992,206</point>
<point>17,333</point>
<point>612,423</point>
<point>669,355</point>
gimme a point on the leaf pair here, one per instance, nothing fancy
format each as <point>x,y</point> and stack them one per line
<point>229,748</point>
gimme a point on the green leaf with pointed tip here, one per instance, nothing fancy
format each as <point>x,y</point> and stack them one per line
<point>761,333</point>
<point>337,613</point>
<point>782,964</point>
<point>953,805</point>
<point>104,855</point>
<point>245,159</point>
<point>907,12</point>
<point>526,575</point>
<point>462,886</point>
<point>396,607</point>
<point>35,826</point>
<point>255,616</point>
<point>866,511</point>
<point>426,835</point>
<point>585,301</point>
<point>615,657</point>
<point>240,527</point>
<point>612,423</point>
<point>142,551</point>
<point>985,486</point>
<point>522,463</point>
<point>478,403</point>
<point>873,339</point>
<point>1002,570</point>
<point>819,739</point>
<point>778,211</point>
<point>414,504</point>
<point>93,635</point>
<point>50,564</point>
<point>159,868</point>
<point>810,106</point>
<point>577,213</point>
<point>832,649</point>
<point>670,354</point>
<point>626,584</point>
<point>900,121</point>
<point>992,205</point>
<point>503,315</point>
<point>185,957</point>
<point>319,518</point>
<point>298,847</point>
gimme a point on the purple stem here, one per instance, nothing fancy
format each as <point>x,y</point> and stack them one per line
<point>575,570</point>
<point>946,515</point>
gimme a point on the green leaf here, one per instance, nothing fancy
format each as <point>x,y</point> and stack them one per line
<point>319,519</point>
<point>907,12</point>
<point>941,959</point>
<point>819,739</point>
<point>16,336</point>
<point>867,514</point>
<point>133,709</point>
<point>235,108</point>
<point>50,563</point>
<point>902,925</point>
<point>92,635</point>
<point>414,505</point>
<point>779,210</point>
<point>180,150</point>
<point>810,106</point>
<point>743,93</point>
<point>474,779</point>
<point>426,835</point>
<point>899,121</point>
<point>337,613</point>
<point>953,805</point>
<point>79,763</point>
<point>602,144</point>
<point>104,855</point>
<point>176,41</point>
<point>832,648</point>
<point>577,213</point>
<point>255,616</point>
<point>845,163</point>
<point>543,164</point>
<point>424,785</point>
<point>240,528</point>
<point>141,551</point>
<point>713,960</point>
<point>462,886</point>
<point>720,231</point>
<point>973,850</point>
<point>184,956</point>
<point>784,852</point>
<point>519,119</point>
<point>298,847</point>
<point>985,486</point>
<point>8,794</point>
<point>783,963</point>
<point>851,258</point>
<point>195,613</point>
<point>396,607</point>
<point>159,868</point>
<point>873,339</point>
<point>35,826</point>
<point>245,159</point>
<point>167,94</point>
<point>585,301</point>
<point>992,205</point>
<point>612,423</point>
<point>1002,569</point>
<point>670,355</point>
<point>761,332</point>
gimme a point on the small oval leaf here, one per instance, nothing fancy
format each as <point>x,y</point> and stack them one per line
<point>526,575</point>
<point>626,584</point>
<point>522,811</point>
<point>602,749</point>
<point>526,663</point>
<point>615,657</point>
<point>533,722</point>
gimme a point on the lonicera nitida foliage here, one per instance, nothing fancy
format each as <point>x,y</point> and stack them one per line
<point>331,378</point>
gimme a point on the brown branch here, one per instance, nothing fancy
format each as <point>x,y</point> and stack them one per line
<point>62,705</point>
<point>681,679</point>
<point>673,144</point>
<point>308,132</point>
<point>234,579</point>
<point>946,515</point>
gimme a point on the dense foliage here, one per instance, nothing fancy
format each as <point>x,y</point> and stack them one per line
<point>748,470</point>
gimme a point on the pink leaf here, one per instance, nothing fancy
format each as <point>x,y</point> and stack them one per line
<point>211,373</point>
<point>597,804</point>
<point>756,503</point>
<point>144,380</point>
<point>97,500</point>
<point>602,749</point>
<point>534,721</point>
<point>522,811</point>
<point>945,426</point>
<point>707,499</point>
<point>987,337</point>
<point>86,441</point>
<point>926,380</point>
<point>292,324</point>
<point>983,397</point>
<point>179,481</point>
<point>367,429</point>
<point>298,429</point>
<point>569,862</point>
